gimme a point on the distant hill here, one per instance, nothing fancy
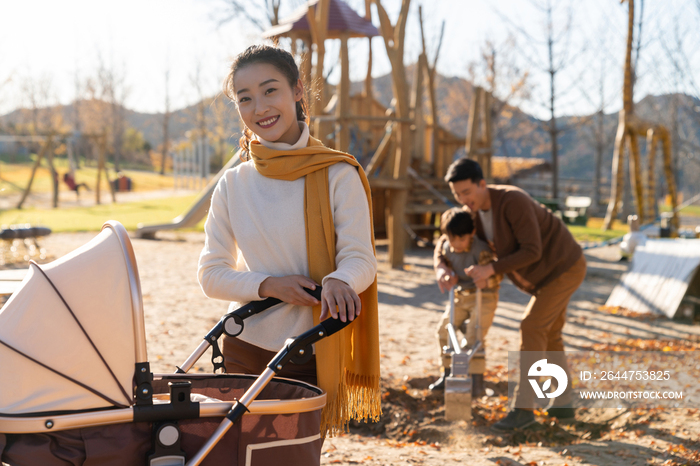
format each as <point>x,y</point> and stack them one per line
<point>516,132</point>
<point>149,124</point>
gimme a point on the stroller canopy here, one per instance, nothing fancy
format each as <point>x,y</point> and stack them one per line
<point>70,336</point>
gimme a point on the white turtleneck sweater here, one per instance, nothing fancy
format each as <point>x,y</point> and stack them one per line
<point>255,229</point>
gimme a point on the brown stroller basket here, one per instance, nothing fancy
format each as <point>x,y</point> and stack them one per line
<point>77,388</point>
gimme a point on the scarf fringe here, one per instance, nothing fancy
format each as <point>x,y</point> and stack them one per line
<point>358,397</point>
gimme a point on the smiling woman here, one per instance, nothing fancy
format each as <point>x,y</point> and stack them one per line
<point>295,215</point>
<point>266,86</point>
<point>269,106</point>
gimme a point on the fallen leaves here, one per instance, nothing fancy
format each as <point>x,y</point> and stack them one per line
<point>414,419</point>
<point>630,344</point>
<point>624,312</point>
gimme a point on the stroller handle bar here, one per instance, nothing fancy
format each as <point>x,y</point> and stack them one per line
<point>232,325</point>
<point>297,349</point>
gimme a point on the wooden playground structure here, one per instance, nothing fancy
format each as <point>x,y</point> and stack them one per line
<point>404,149</point>
<point>629,129</point>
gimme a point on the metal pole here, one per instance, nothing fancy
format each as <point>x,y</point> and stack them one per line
<point>453,339</point>
<point>476,346</point>
<point>478,317</point>
<point>454,343</point>
<point>194,357</point>
<point>226,424</point>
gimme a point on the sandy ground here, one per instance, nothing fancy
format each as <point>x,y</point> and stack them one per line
<point>413,430</point>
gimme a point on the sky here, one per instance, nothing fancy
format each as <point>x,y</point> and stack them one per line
<point>59,43</point>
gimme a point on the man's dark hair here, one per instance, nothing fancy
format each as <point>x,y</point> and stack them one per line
<point>456,222</point>
<point>464,169</point>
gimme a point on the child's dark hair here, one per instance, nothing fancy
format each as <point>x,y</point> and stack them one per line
<point>456,222</point>
<point>464,169</point>
<point>280,59</point>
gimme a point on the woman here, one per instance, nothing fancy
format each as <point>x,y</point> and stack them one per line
<point>296,214</point>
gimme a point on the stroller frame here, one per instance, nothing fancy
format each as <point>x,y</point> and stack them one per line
<point>144,409</point>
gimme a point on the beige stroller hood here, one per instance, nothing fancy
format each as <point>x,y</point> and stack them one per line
<point>76,387</point>
<point>67,336</point>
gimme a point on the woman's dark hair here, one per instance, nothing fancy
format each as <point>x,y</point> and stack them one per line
<point>280,59</point>
<point>464,169</point>
<point>456,222</point>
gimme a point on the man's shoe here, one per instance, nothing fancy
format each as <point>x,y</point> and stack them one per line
<point>439,384</point>
<point>516,419</point>
<point>563,414</point>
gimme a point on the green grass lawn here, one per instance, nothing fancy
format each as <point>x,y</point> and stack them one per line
<point>130,214</point>
<point>15,177</point>
<point>689,211</point>
<point>91,218</point>
<point>593,230</point>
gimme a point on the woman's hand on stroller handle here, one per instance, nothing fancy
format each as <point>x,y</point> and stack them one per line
<point>289,289</point>
<point>339,301</point>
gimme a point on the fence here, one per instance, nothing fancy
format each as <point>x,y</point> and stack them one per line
<point>191,165</point>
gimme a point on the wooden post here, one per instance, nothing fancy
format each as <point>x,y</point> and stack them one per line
<point>367,94</point>
<point>636,177</point>
<point>417,106</point>
<point>342,108</point>
<point>394,36</point>
<point>431,131</point>
<point>382,150</point>
<point>650,202</point>
<point>474,123</point>
<point>617,173</point>
<point>670,179</point>
<point>317,16</point>
<point>478,143</point>
<point>488,138</point>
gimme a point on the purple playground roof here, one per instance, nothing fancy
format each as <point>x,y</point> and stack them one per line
<point>341,18</point>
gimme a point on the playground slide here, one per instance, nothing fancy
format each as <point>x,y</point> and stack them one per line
<point>196,212</point>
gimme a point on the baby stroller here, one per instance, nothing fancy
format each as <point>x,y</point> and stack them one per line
<point>76,386</point>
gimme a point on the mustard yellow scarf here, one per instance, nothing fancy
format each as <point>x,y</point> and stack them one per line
<point>347,363</point>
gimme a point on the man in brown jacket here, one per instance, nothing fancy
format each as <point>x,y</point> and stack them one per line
<point>537,252</point>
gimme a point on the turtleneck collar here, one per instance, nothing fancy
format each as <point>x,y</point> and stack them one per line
<point>300,144</point>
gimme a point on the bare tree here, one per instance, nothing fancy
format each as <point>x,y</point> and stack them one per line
<point>114,92</point>
<point>684,111</point>
<point>166,122</point>
<point>222,111</point>
<point>260,13</point>
<point>4,81</point>
<point>45,120</point>
<point>596,132</point>
<point>551,56</point>
<point>37,93</point>
<point>201,105</point>
<point>499,73</point>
